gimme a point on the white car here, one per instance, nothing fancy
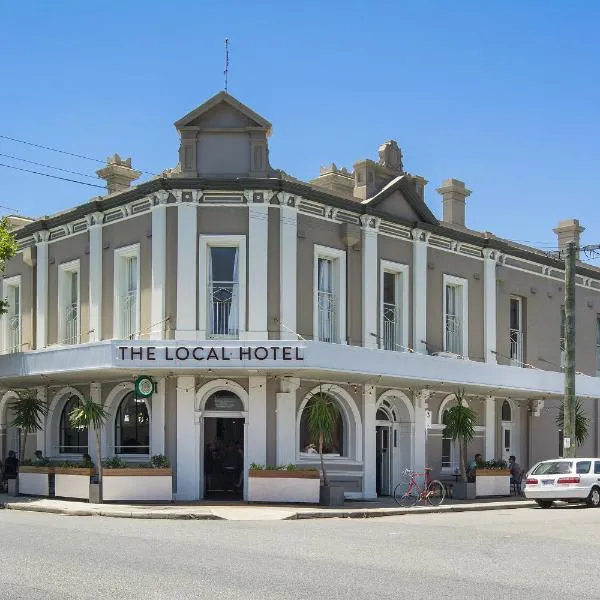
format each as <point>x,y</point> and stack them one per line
<point>566,479</point>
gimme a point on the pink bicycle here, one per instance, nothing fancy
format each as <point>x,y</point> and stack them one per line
<point>409,491</point>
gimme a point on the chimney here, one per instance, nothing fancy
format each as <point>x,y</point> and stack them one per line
<point>568,231</point>
<point>419,183</point>
<point>454,193</point>
<point>118,174</point>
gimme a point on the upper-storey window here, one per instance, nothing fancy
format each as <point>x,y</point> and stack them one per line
<point>68,303</point>
<point>456,315</point>
<point>330,295</point>
<point>394,306</point>
<point>127,293</point>
<point>12,318</point>
<point>517,334</point>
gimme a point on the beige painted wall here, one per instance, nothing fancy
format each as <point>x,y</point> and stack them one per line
<point>118,235</point>
<point>447,263</point>
<point>16,266</point>
<point>273,293</point>
<point>171,279</point>
<point>60,252</point>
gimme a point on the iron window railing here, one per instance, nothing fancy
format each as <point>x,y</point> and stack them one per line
<point>14,334</point>
<point>71,332</point>
<point>327,317</point>
<point>391,327</point>
<point>223,307</point>
<point>453,334</point>
<point>517,347</point>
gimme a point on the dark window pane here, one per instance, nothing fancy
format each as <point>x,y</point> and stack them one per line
<point>597,467</point>
<point>389,288</point>
<point>225,401</point>
<point>337,442</point>
<point>71,440</point>
<point>223,260</point>
<point>132,431</point>
<point>583,466</point>
<point>506,411</point>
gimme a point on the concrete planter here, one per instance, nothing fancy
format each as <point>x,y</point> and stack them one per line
<point>72,482</point>
<point>492,482</point>
<point>34,481</point>
<point>331,495</point>
<point>284,486</point>
<point>137,484</point>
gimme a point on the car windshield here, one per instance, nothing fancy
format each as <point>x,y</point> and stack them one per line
<point>555,467</point>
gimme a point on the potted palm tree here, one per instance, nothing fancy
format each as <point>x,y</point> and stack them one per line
<point>89,414</point>
<point>459,426</point>
<point>29,413</point>
<point>581,421</point>
<point>322,417</point>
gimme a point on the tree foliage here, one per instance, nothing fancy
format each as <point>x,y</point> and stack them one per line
<point>582,421</point>
<point>29,414</point>
<point>8,248</point>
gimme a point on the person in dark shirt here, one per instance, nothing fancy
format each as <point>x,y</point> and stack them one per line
<point>11,466</point>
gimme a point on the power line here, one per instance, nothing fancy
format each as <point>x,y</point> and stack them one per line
<point>32,162</point>
<point>52,176</point>
<point>97,160</point>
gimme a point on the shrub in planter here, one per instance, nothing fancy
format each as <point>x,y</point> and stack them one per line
<point>150,481</point>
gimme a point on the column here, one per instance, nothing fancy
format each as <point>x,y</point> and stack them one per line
<point>188,451</point>
<point>42,394</point>
<point>369,448</point>
<point>159,267</point>
<point>257,420</point>
<point>95,291</point>
<point>187,270</point>
<point>490,428</point>
<point>288,250</point>
<point>41,330</point>
<point>420,399</point>
<point>157,435</point>
<point>489,305</point>
<point>96,396</point>
<point>285,425</point>
<point>258,252</point>
<point>419,278</point>
<point>370,276</point>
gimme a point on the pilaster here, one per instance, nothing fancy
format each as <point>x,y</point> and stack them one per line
<point>157,435</point>
<point>257,420</point>
<point>187,269</point>
<point>285,426</point>
<point>288,250</point>
<point>159,265</point>
<point>370,273</point>
<point>369,440</point>
<point>258,252</point>
<point>95,285</point>
<point>41,329</point>
<point>420,399</point>
<point>188,452</point>
<point>490,428</point>
<point>489,305</point>
<point>419,280</point>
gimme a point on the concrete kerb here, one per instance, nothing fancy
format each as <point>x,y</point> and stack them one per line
<point>173,514</point>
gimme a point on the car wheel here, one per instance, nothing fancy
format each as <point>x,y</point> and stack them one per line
<point>544,503</point>
<point>593,499</point>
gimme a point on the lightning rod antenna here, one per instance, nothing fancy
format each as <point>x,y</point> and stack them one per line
<point>226,71</point>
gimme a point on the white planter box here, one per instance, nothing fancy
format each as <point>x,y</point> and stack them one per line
<point>492,485</point>
<point>34,484</point>
<point>72,486</point>
<point>283,488</point>
<point>137,485</point>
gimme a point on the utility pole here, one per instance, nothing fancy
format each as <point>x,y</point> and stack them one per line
<point>569,333</point>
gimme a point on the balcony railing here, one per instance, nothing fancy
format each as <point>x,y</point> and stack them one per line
<point>391,327</point>
<point>327,317</point>
<point>13,342</point>
<point>517,355</point>
<point>453,335</point>
<point>71,332</point>
<point>129,315</point>
<point>223,309</point>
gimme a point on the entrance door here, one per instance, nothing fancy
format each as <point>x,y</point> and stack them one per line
<point>223,457</point>
<point>384,460</point>
<point>507,441</point>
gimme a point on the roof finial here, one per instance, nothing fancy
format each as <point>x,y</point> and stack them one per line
<point>226,71</point>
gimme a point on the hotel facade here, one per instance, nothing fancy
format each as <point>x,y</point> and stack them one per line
<point>240,291</point>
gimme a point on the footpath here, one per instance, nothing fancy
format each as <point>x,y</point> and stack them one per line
<point>244,511</point>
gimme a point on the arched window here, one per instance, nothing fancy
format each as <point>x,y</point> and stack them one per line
<point>224,401</point>
<point>72,440</point>
<point>506,411</point>
<point>336,446</point>
<point>132,426</point>
<point>382,415</point>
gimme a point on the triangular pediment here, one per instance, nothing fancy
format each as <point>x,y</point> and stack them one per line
<point>223,112</point>
<point>400,199</point>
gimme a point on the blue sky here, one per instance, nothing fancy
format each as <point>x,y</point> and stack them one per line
<point>504,96</point>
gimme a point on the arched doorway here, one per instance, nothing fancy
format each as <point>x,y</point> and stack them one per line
<point>508,433</point>
<point>224,446</point>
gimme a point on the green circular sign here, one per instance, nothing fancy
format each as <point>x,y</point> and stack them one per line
<point>144,386</point>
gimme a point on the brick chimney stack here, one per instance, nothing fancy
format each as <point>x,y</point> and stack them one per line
<point>454,194</point>
<point>118,174</point>
<point>567,231</point>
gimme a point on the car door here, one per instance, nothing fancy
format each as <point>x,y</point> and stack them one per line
<point>584,470</point>
<point>597,471</point>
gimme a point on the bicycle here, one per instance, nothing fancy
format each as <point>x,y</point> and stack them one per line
<point>409,492</point>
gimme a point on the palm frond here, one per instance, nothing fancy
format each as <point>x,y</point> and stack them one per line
<point>322,417</point>
<point>87,413</point>
<point>29,412</point>
<point>582,421</point>
<point>459,423</point>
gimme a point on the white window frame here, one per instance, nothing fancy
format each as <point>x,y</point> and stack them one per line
<point>63,270</point>
<point>451,280</point>
<point>519,300</point>
<point>15,282</point>
<point>338,258</point>
<point>224,241</point>
<point>400,271</point>
<point>120,254</point>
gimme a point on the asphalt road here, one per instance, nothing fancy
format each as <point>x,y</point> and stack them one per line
<point>525,553</point>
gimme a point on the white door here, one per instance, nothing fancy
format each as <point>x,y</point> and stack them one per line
<point>507,441</point>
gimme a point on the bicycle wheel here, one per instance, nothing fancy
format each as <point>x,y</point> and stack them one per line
<point>436,492</point>
<point>406,495</point>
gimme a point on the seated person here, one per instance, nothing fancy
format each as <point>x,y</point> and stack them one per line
<point>472,468</point>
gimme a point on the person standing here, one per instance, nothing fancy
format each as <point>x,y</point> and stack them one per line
<point>11,466</point>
